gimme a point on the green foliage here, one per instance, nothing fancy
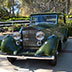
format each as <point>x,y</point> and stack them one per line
<point>16,19</point>
<point>5,28</point>
<point>22,18</point>
<point>15,27</point>
<point>10,29</point>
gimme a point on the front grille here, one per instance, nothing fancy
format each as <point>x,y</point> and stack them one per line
<point>29,38</point>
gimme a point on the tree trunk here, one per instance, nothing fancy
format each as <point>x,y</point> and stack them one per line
<point>67,6</point>
<point>13,8</point>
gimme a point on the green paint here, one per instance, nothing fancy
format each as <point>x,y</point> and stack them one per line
<point>53,33</point>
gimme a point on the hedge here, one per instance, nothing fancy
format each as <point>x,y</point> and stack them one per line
<point>15,18</point>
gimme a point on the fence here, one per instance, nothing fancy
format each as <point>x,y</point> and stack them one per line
<point>10,23</point>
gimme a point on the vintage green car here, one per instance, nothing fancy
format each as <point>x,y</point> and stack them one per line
<point>43,38</point>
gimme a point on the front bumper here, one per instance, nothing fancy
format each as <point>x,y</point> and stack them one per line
<point>29,57</point>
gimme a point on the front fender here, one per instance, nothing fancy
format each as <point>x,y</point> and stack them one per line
<point>8,45</point>
<point>49,47</point>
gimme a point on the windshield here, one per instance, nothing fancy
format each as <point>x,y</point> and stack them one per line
<point>48,19</point>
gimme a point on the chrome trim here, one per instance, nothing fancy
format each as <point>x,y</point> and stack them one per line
<point>29,57</point>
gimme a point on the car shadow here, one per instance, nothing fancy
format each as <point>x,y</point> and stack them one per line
<point>35,65</point>
<point>64,62</point>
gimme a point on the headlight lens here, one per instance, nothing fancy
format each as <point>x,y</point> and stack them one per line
<point>40,35</point>
<point>17,35</point>
<point>17,42</point>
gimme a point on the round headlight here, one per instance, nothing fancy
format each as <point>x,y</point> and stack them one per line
<point>17,42</point>
<point>17,35</point>
<point>40,35</point>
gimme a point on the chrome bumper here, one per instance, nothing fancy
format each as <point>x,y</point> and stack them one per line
<point>29,57</point>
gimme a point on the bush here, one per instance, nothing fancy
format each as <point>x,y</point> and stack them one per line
<point>10,29</point>
<point>21,18</point>
<point>15,19</point>
<point>5,28</point>
<point>15,27</point>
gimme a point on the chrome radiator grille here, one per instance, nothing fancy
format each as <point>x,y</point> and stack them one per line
<point>29,38</point>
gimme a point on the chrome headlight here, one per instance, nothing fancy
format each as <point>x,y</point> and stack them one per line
<point>40,35</point>
<point>17,35</point>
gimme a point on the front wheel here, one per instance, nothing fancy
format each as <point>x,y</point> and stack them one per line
<point>11,60</point>
<point>65,36</point>
<point>53,62</point>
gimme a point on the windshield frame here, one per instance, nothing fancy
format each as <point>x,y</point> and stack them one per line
<point>39,16</point>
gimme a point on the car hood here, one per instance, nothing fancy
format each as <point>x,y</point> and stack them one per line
<point>47,30</point>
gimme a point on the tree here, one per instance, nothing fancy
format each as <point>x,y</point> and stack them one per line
<point>67,6</point>
<point>3,13</point>
<point>26,7</point>
<point>13,8</point>
<point>9,4</point>
<point>36,6</point>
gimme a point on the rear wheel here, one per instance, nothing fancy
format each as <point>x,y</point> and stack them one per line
<point>11,60</point>
<point>59,47</point>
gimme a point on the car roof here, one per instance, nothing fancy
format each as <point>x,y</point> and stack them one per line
<point>46,13</point>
